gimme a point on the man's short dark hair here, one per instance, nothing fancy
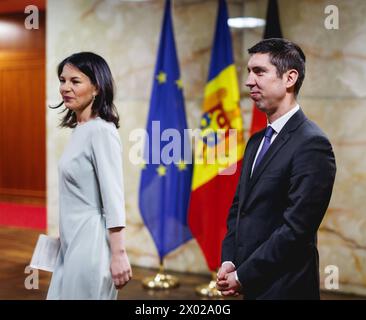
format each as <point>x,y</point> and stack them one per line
<point>284,55</point>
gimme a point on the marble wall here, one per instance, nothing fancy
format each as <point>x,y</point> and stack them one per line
<point>126,34</point>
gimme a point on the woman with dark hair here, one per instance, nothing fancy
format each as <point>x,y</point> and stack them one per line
<point>92,262</point>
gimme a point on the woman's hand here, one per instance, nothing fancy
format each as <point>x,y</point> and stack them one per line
<point>120,265</point>
<point>120,269</point>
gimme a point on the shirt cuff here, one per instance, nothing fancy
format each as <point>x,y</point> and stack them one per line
<point>230,263</point>
<point>235,273</point>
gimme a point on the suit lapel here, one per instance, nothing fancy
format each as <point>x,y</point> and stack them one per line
<point>247,165</point>
<point>279,142</point>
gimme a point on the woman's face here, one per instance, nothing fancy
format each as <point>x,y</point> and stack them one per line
<point>76,89</point>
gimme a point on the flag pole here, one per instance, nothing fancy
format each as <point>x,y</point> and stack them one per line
<point>208,207</point>
<point>169,180</point>
<point>161,280</point>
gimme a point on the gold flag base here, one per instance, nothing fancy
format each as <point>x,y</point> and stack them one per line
<point>209,291</point>
<point>160,281</point>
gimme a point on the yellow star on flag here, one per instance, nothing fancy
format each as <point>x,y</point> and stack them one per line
<point>161,77</point>
<point>161,170</point>
<point>143,164</point>
<point>181,165</point>
<point>179,83</point>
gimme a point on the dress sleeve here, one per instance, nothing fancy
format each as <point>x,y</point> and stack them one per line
<point>107,159</point>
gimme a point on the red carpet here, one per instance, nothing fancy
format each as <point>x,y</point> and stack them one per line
<point>23,215</point>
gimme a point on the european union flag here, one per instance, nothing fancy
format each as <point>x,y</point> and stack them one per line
<point>166,177</point>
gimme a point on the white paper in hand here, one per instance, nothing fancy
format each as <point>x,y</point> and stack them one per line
<point>45,253</point>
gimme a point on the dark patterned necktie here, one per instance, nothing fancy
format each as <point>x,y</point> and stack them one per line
<point>267,142</point>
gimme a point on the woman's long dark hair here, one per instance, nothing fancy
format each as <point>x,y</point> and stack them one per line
<point>97,70</point>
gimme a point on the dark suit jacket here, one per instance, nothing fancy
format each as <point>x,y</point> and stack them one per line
<point>275,214</point>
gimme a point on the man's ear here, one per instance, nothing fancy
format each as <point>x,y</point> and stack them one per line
<point>291,77</point>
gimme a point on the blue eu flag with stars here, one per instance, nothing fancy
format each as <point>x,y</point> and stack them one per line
<point>167,169</point>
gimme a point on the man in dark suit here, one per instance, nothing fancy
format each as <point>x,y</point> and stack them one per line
<point>270,249</point>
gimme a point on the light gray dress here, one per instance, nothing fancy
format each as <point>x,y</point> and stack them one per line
<point>91,200</point>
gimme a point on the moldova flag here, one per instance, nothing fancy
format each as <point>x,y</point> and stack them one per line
<point>219,149</point>
<point>167,169</point>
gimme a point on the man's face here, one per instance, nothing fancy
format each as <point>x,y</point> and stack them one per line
<point>266,88</point>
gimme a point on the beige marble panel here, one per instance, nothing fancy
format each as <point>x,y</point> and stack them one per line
<point>336,59</point>
<point>342,238</point>
<point>342,121</point>
<point>348,257</point>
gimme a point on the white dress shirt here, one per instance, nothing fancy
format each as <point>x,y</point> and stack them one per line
<point>277,126</point>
